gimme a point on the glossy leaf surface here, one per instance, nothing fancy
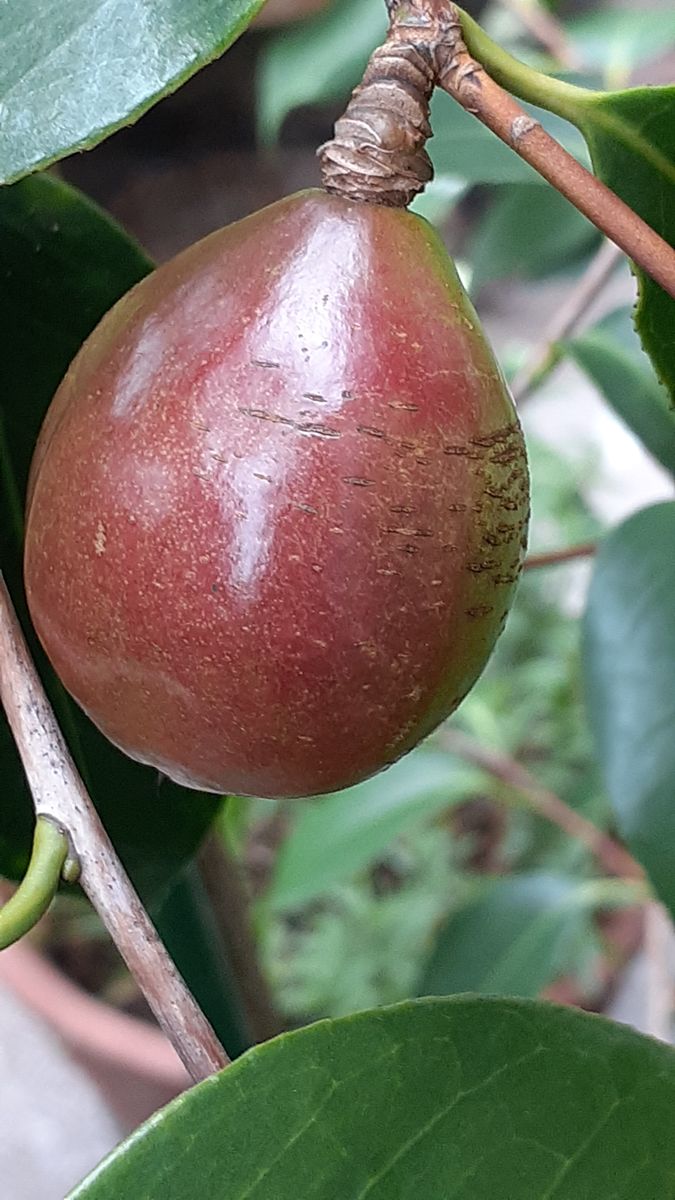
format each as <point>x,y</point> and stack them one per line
<point>73,71</point>
<point>444,1099</point>
<point>63,264</point>
<point>629,650</point>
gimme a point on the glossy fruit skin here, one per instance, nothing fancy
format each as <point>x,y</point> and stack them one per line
<point>278,505</point>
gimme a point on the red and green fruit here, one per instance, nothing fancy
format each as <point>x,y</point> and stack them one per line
<point>278,504</point>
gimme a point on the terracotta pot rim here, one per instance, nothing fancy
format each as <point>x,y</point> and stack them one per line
<point>90,1027</point>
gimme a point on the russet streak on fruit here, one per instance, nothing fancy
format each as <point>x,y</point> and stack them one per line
<point>278,504</point>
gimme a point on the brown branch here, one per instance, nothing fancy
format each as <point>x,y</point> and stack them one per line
<point>466,80</point>
<point>59,794</point>
<point>609,853</point>
<point>552,557</point>
<point>225,888</point>
<point>565,320</point>
<point>378,152</point>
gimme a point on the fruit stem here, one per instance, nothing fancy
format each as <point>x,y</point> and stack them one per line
<point>377,155</point>
<point>60,796</point>
<point>38,886</point>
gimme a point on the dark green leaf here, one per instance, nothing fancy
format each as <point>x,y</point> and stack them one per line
<point>611,355</point>
<point>458,1099</point>
<point>73,71</point>
<point>629,643</point>
<point>63,264</point>
<point>528,232</point>
<point>631,137</point>
<point>515,938</point>
<point>188,926</point>
<point>335,836</point>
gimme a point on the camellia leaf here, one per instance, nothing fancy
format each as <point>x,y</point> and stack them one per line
<point>73,71</point>
<point>611,355</point>
<point>454,1099</point>
<point>631,138</point>
<point>516,937</point>
<point>335,836</point>
<point>519,934</point>
<point>63,264</point>
<point>629,651</point>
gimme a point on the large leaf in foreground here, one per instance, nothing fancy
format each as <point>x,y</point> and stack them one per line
<point>63,264</point>
<point>629,644</point>
<point>73,71</point>
<point>435,1100</point>
<point>631,138</point>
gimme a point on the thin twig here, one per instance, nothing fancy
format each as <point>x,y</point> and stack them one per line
<point>565,320</point>
<point>221,877</point>
<point>467,81</point>
<point>545,29</point>
<point>609,853</point>
<point>552,557</point>
<point>658,946</point>
<point>60,795</point>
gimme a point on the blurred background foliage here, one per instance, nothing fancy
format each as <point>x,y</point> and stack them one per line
<point>436,876</point>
